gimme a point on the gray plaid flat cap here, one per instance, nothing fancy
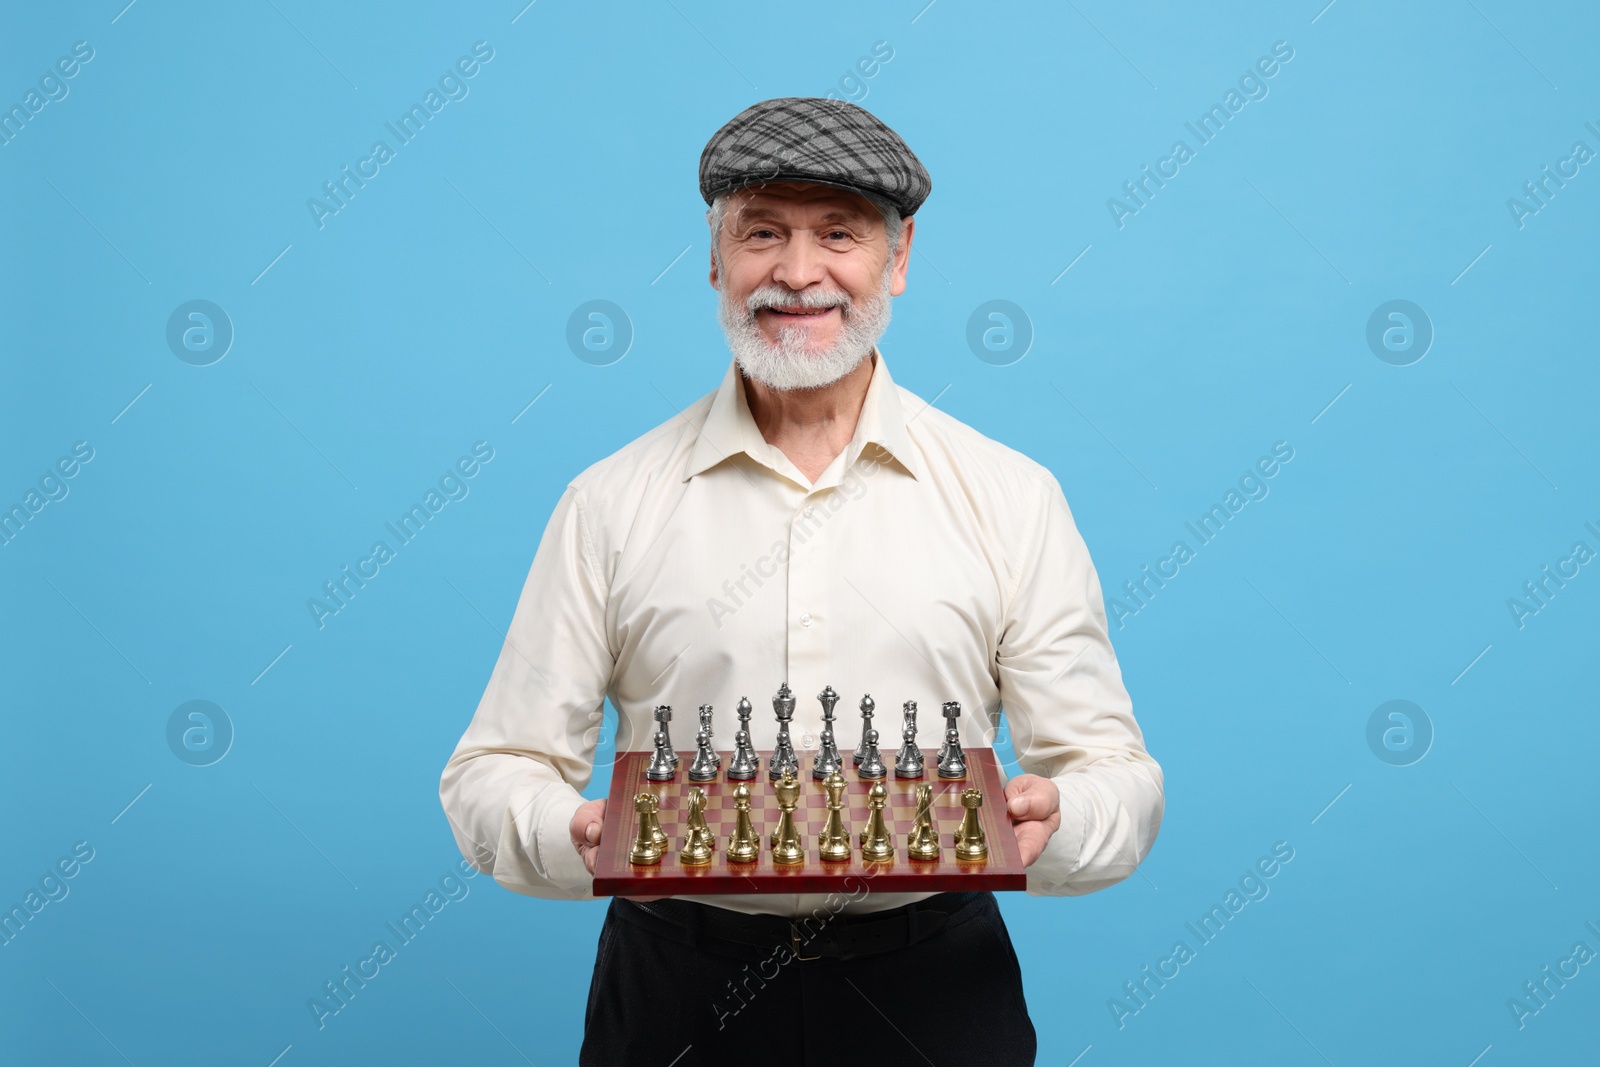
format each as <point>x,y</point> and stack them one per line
<point>814,139</point>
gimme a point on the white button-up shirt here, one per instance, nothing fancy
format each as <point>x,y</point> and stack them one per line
<point>699,565</point>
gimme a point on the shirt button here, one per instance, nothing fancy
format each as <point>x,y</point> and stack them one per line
<point>805,618</point>
<point>810,511</point>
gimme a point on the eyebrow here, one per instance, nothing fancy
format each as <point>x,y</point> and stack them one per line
<point>837,215</point>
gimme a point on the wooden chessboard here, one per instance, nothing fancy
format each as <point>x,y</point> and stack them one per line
<point>614,875</point>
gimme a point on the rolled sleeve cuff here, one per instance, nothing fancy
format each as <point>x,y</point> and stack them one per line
<point>1109,822</point>
<point>544,864</point>
<point>554,855</point>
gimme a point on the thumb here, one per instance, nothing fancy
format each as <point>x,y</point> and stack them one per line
<point>1019,802</point>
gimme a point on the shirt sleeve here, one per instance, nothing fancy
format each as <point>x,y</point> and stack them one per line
<point>1069,715</point>
<point>512,785</point>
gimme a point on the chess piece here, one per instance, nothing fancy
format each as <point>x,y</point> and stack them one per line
<point>661,767</point>
<point>833,844</point>
<point>786,846</point>
<point>646,850</point>
<point>707,764</point>
<point>828,760</point>
<point>908,764</point>
<point>745,763</point>
<point>876,844</point>
<point>744,844</point>
<point>944,746</point>
<point>866,725</point>
<point>698,843</point>
<point>663,715</point>
<point>872,767</point>
<point>657,834</point>
<point>923,841</point>
<point>952,761</point>
<point>970,845</point>
<point>783,757</point>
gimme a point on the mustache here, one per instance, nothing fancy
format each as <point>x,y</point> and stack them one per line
<point>771,296</point>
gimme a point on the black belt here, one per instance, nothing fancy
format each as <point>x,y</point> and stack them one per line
<point>821,935</point>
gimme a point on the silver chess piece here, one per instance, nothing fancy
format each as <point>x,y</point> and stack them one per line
<point>707,764</point>
<point>663,715</point>
<point>872,767</point>
<point>944,746</point>
<point>952,761</point>
<point>866,724</point>
<point>784,757</point>
<point>745,763</point>
<point>908,764</point>
<point>828,760</point>
<point>661,768</point>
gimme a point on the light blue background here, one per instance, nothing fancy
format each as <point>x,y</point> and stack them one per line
<point>1225,316</point>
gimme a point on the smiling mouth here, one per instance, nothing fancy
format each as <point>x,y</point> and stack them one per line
<point>797,312</point>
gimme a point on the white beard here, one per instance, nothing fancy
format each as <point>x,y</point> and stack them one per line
<point>789,363</point>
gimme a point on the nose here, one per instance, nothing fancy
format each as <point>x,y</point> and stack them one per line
<point>800,264</point>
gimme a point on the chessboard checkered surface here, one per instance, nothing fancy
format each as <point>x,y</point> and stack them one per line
<point>614,874</point>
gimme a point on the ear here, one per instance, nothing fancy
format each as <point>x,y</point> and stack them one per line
<point>712,275</point>
<point>902,256</point>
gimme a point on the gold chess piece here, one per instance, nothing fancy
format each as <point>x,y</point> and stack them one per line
<point>744,844</point>
<point>786,846</point>
<point>698,843</point>
<point>657,834</point>
<point>970,845</point>
<point>878,845</point>
<point>778,830</point>
<point>923,841</point>
<point>646,851</point>
<point>834,842</point>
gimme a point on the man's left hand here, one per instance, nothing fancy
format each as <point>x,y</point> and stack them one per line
<point>1035,804</point>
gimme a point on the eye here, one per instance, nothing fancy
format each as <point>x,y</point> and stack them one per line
<point>841,234</point>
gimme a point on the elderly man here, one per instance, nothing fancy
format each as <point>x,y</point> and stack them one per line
<point>808,522</point>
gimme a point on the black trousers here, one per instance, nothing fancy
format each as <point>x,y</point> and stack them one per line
<point>954,998</point>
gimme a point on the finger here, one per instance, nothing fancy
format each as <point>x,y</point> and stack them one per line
<point>586,822</point>
<point>1019,795</point>
<point>1018,785</point>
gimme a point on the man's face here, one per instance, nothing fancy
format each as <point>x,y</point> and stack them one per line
<point>805,278</point>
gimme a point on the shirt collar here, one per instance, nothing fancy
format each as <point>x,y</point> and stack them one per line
<point>729,428</point>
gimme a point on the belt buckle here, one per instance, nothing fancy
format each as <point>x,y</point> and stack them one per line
<point>795,943</point>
